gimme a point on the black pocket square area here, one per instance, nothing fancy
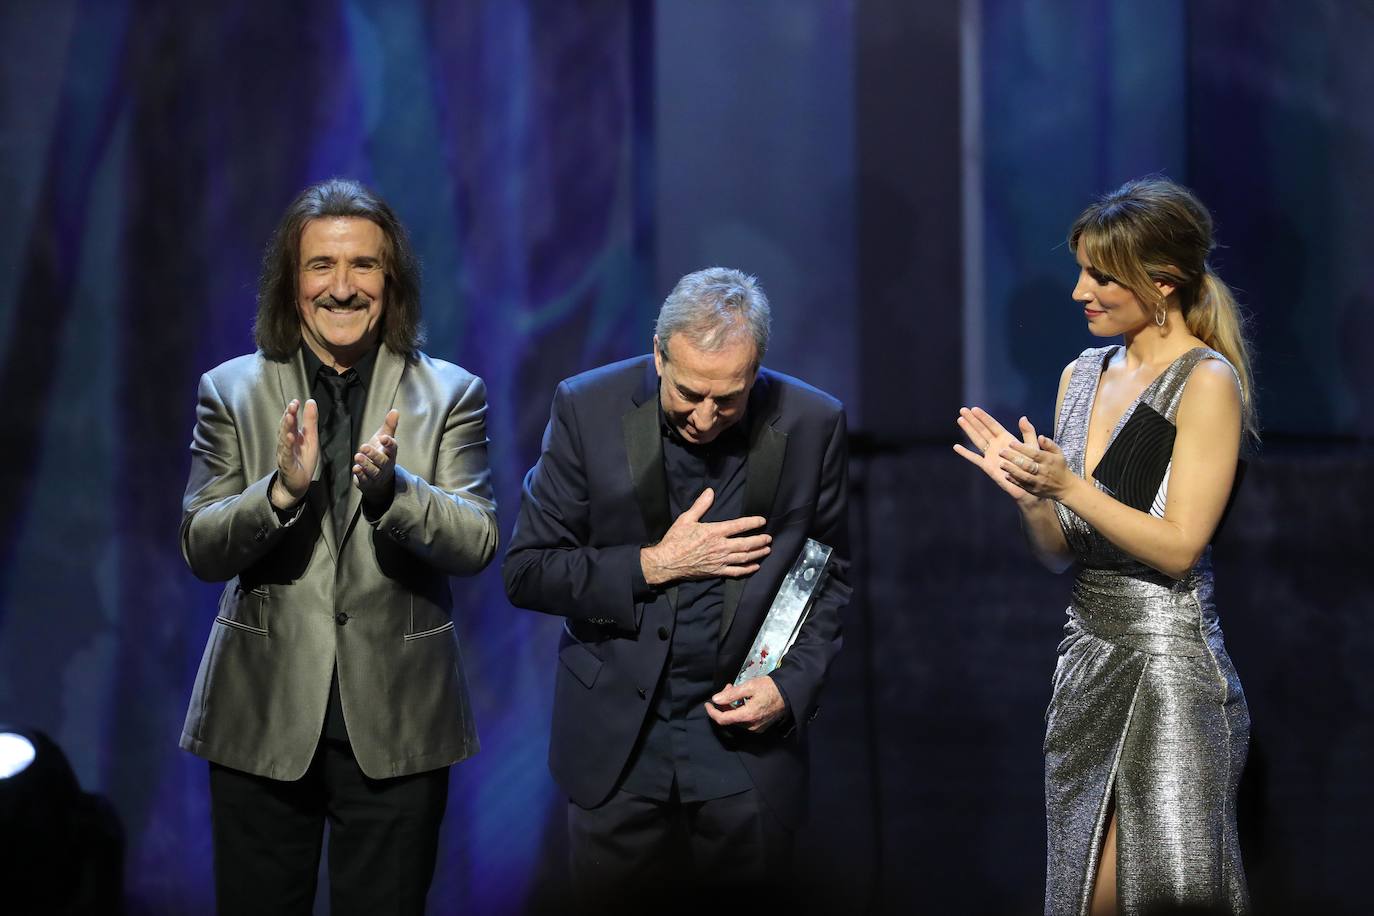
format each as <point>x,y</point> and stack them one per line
<point>1135,463</point>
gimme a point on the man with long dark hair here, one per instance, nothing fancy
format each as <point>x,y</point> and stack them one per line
<point>338,477</point>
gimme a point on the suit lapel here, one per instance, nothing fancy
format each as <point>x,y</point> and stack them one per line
<point>294,386</point>
<point>644,448</point>
<point>381,397</point>
<point>763,469</point>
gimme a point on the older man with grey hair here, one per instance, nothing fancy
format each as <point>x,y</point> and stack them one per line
<point>672,494</point>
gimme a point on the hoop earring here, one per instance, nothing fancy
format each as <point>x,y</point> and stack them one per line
<point>1161,316</point>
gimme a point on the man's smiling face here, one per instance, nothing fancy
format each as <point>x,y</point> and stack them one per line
<point>340,287</point>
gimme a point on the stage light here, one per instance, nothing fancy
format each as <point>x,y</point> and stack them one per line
<point>16,753</point>
<point>64,848</point>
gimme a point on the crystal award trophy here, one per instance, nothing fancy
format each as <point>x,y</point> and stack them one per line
<point>788,612</point>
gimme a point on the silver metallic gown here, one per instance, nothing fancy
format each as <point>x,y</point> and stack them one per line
<point>1147,714</point>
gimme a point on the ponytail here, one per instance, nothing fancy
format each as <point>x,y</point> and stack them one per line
<point>1215,319</point>
<point>1151,231</point>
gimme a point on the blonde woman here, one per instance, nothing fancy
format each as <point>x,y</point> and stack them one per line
<point>1147,729</point>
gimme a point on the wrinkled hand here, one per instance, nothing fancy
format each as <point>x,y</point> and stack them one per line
<point>374,466</point>
<point>693,549</point>
<point>990,438</point>
<point>298,453</point>
<point>762,704</point>
<point>1037,465</point>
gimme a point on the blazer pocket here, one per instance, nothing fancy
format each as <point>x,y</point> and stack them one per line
<point>579,660</point>
<point>244,609</point>
<point>240,625</point>
<point>432,631</point>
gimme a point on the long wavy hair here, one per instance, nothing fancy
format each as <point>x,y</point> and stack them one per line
<point>277,327</point>
<point>1152,230</point>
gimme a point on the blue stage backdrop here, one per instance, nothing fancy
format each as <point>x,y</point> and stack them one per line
<point>899,174</point>
<point>1261,107</point>
<point>156,144</point>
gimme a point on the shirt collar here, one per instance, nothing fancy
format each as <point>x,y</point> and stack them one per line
<point>363,368</point>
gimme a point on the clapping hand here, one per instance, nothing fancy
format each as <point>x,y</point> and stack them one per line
<point>990,439</point>
<point>1028,468</point>
<point>298,453</point>
<point>374,466</point>
<point>1037,465</point>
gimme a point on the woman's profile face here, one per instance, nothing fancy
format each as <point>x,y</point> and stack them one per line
<point>1110,308</point>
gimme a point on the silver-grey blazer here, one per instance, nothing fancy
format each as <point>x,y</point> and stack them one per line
<point>297,597</point>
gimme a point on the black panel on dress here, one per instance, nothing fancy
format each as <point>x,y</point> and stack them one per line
<point>1134,464</point>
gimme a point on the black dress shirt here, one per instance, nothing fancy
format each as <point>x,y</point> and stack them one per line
<point>356,399</point>
<point>679,754</point>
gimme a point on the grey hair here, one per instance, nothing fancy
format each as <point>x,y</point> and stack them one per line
<point>710,307</point>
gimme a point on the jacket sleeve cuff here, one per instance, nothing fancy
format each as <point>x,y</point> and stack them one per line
<point>788,719</point>
<point>642,590</point>
<point>285,517</point>
<point>622,567</point>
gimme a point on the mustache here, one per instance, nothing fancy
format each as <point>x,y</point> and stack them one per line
<point>355,301</point>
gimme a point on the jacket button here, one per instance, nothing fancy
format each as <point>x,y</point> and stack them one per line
<point>341,618</point>
<point>663,633</point>
<point>642,692</point>
<point>260,534</point>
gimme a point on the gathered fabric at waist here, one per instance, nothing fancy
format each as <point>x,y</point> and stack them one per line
<point>1144,610</point>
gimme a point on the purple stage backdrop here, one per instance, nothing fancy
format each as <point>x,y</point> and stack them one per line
<point>900,176</point>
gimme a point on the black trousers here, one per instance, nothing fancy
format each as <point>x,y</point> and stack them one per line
<point>631,853</point>
<point>383,838</point>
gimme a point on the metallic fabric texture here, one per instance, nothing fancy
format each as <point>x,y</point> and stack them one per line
<point>1147,717</point>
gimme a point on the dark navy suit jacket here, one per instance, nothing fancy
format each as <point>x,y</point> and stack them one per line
<point>598,494</point>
